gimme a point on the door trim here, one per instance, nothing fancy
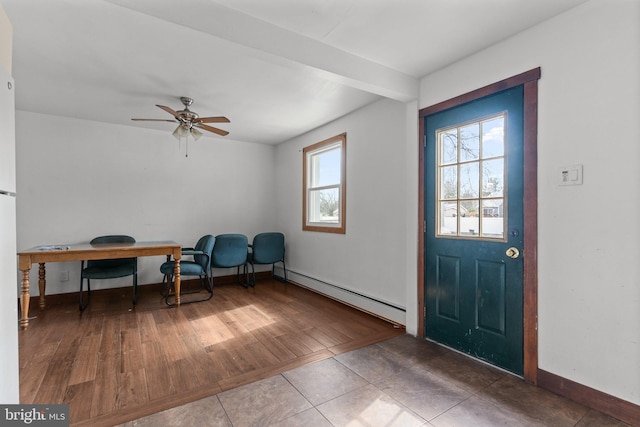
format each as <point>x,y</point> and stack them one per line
<point>529,79</point>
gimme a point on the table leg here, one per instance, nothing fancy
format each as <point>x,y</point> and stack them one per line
<point>24,299</point>
<point>42,285</point>
<point>176,280</point>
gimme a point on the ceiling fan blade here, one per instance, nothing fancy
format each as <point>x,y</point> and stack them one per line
<point>154,120</point>
<point>211,120</point>
<point>212,129</point>
<point>170,111</point>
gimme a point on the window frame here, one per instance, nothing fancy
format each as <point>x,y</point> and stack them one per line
<point>339,228</point>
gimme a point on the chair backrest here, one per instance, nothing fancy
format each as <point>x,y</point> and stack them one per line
<point>268,248</point>
<point>115,238</point>
<point>230,250</point>
<point>205,244</point>
<point>119,238</point>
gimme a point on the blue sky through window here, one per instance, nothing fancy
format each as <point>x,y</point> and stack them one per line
<point>329,163</point>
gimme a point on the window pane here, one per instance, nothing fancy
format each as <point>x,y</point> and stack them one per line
<point>449,183</point>
<point>470,142</point>
<point>325,168</point>
<point>469,181</point>
<point>493,178</point>
<point>449,146</point>
<point>493,137</point>
<point>469,220</point>
<point>448,218</point>
<point>324,206</point>
<point>471,164</point>
<point>493,218</point>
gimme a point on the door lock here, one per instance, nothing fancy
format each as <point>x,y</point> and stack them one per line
<point>513,252</point>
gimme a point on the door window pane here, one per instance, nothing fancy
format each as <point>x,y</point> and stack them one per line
<point>449,218</point>
<point>449,182</point>
<point>493,178</point>
<point>471,179</point>
<point>469,220</point>
<point>449,144</point>
<point>470,142</point>
<point>492,218</point>
<point>493,137</point>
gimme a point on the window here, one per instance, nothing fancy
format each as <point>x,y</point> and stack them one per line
<point>471,179</point>
<point>324,176</point>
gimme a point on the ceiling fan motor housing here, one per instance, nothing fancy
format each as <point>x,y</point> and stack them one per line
<point>186,113</point>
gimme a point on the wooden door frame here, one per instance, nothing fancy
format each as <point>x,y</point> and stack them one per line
<point>529,79</point>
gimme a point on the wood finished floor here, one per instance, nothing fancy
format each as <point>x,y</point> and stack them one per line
<point>112,363</point>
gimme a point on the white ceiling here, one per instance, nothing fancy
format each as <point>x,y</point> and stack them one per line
<point>276,68</point>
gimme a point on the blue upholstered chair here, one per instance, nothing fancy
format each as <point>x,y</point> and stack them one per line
<point>200,266</point>
<point>231,251</point>
<point>108,268</point>
<point>267,248</point>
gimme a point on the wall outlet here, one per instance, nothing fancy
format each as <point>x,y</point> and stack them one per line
<point>64,276</point>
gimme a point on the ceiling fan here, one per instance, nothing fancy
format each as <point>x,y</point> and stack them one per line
<point>189,122</point>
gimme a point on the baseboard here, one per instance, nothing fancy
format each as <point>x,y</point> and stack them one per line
<point>603,402</point>
<point>365,303</point>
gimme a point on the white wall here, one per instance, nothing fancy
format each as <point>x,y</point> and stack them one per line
<point>589,105</point>
<point>370,258</point>
<point>9,360</point>
<point>79,179</point>
<point>6,41</point>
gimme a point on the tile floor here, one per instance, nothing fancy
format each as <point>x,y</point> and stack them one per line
<point>403,381</point>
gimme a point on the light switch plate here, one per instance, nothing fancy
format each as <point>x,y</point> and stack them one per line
<point>570,175</point>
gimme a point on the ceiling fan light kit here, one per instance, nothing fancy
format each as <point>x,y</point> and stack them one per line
<point>189,122</point>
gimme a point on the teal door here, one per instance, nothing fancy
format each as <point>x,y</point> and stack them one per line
<point>474,228</point>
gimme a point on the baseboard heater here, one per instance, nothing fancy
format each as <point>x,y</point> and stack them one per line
<point>383,309</point>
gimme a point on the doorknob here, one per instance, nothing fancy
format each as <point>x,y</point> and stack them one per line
<point>513,252</point>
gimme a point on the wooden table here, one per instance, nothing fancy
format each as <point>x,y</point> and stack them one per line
<point>87,251</point>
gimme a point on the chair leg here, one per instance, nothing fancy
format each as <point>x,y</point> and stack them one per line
<point>135,288</point>
<point>82,306</point>
<point>245,272</point>
<point>206,285</point>
<point>280,278</point>
<point>165,291</point>
<point>246,276</point>
<point>169,278</point>
<point>210,281</point>
<point>162,286</point>
<point>253,271</point>
<point>206,282</point>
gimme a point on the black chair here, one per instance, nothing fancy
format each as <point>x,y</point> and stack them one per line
<point>267,248</point>
<point>109,268</point>
<point>231,251</point>
<point>200,266</point>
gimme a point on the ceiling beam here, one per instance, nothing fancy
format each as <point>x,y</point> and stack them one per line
<point>278,45</point>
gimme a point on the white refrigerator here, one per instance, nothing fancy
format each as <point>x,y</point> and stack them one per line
<point>9,361</point>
